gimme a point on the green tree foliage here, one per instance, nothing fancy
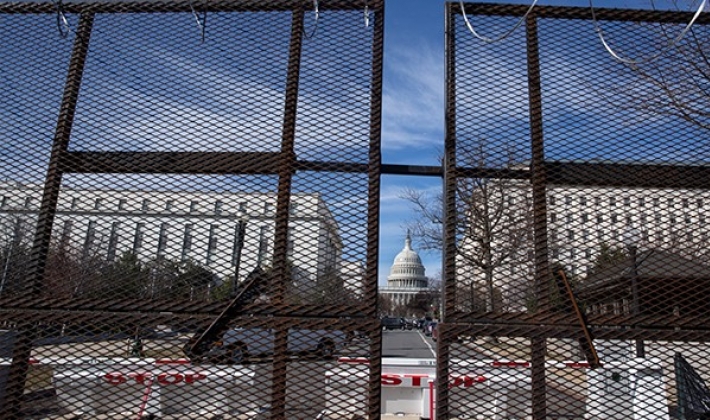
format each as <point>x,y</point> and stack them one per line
<point>608,256</point>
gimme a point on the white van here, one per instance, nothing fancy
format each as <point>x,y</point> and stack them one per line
<point>239,344</point>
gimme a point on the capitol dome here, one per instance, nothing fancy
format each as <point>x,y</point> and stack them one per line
<point>407,270</point>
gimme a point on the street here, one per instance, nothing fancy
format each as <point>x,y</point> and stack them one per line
<point>410,344</point>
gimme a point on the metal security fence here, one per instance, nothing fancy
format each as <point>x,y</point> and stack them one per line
<point>176,236</point>
<point>576,202</point>
<point>189,213</point>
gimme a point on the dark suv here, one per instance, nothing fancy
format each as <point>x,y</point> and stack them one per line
<point>389,323</point>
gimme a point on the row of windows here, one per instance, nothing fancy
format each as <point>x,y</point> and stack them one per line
<point>640,201</point>
<point>237,244</point>
<point>618,236</point>
<point>146,205</point>
<point>629,220</point>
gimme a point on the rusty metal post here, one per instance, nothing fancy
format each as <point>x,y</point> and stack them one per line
<point>449,211</point>
<point>373,213</point>
<point>22,348</point>
<point>281,275</point>
<point>539,191</point>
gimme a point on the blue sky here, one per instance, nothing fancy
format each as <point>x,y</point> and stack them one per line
<point>413,101</point>
<point>413,106</point>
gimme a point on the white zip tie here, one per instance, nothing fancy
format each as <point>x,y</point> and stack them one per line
<point>652,57</point>
<point>62,22</point>
<point>201,23</point>
<point>316,15</point>
<point>367,15</point>
<point>502,37</point>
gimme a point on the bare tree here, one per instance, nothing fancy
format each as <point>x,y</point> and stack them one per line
<point>493,229</point>
<point>676,84</point>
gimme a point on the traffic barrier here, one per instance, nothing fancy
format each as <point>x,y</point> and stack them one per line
<point>633,389</point>
<point>147,386</point>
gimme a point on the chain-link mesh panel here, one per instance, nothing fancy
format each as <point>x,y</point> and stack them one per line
<point>175,241</point>
<point>576,214</point>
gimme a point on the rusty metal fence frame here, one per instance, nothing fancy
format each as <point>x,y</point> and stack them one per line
<point>540,325</point>
<point>29,309</point>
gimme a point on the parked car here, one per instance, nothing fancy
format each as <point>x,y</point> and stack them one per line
<point>239,344</point>
<point>391,323</point>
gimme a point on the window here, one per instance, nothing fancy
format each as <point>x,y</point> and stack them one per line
<point>169,205</point>
<point>113,241</point>
<point>569,218</point>
<point>658,218</point>
<point>598,201</point>
<point>66,233</point>
<point>553,217</point>
<point>553,235</point>
<point>90,236</point>
<point>263,245</point>
<point>242,207</point>
<point>690,236</point>
<point>145,205</point>
<point>614,218</point>
<point>568,200</point>
<point>644,236</point>
<point>629,220</point>
<point>555,253</point>
<point>585,235</point>
<point>122,204</point>
<point>643,219</point>
<point>600,218</point>
<point>585,217</point>
<point>211,244</point>
<point>138,238</point>
<point>700,202</point>
<point>97,204</point>
<point>614,235</point>
<point>162,239</point>
<point>218,205</point>
<point>268,208</point>
<point>612,201</point>
<point>186,242</point>
<point>28,202</point>
<point>673,219</point>
<point>511,201</point>
<point>572,254</point>
<point>670,202</point>
<point>588,253</point>
<point>193,206</point>
<point>656,202</point>
<point>570,234</point>
<point>642,202</point>
<point>4,202</point>
<point>552,200</point>
<point>293,209</point>
<point>239,233</point>
<point>600,235</point>
<point>688,220</point>
<point>627,201</point>
<point>583,200</point>
<point>685,203</point>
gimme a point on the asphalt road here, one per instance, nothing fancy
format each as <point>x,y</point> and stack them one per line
<point>409,344</point>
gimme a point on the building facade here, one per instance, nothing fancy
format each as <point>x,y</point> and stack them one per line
<point>495,266</point>
<point>407,277</point>
<point>229,234</point>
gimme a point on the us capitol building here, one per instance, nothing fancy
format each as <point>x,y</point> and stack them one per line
<point>407,276</point>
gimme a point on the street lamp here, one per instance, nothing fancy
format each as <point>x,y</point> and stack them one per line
<point>631,240</point>
<point>239,233</point>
